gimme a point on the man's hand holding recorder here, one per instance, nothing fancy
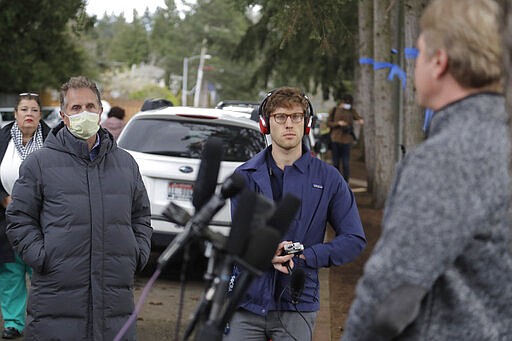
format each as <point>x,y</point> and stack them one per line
<point>283,259</point>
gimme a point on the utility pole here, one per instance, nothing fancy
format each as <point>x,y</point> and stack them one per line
<point>184,86</point>
<point>184,82</point>
<point>199,82</point>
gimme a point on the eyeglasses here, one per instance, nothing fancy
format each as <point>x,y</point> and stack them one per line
<point>28,94</point>
<point>296,117</point>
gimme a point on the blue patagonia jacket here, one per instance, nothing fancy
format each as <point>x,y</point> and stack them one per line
<point>325,198</point>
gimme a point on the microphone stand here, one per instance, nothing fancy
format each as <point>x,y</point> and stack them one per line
<point>209,329</point>
<point>203,308</point>
<point>183,280</point>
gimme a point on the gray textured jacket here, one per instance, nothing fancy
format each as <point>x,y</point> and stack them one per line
<point>84,228</point>
<point>446,230</point>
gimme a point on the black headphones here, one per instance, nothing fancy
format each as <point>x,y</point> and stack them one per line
<point>265,119</point>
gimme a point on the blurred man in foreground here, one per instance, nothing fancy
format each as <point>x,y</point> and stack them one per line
<point>442,268</point>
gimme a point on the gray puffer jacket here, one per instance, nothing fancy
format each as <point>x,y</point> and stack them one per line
<point>84,228</point>
<point>446,232</point>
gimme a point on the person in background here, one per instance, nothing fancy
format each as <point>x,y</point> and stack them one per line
<point>80,218</point>
<point>341,121</point>
<point>442,269</point>
<point>267,310</point>
<point>115,121</point>
<point>17,139</point>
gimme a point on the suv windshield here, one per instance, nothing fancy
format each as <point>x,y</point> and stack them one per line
<point>186,139</point>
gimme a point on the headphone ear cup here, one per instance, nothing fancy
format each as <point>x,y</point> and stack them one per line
<point>309,121</point>
<point>264,126</point>
<point>307,125</point>
<point>264,121</point>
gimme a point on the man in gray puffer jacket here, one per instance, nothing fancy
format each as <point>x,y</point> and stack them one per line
<point>442,269</point>
<point>80,217</point>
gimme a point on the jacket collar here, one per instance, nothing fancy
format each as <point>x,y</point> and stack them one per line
<point>464,108</point>
<point>259,161</point>
<point>61,139</point>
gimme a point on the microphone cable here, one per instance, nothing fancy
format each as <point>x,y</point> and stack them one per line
<point>138,306</point>
<point>294,304</point>
<point>306,321</point>
<point>145,291</point>
<point>279,315</point>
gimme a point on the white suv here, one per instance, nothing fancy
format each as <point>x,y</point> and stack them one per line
<point>167,144</point>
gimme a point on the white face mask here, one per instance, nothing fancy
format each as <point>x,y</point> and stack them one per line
<point>84,124</point>
<point>347,106</point>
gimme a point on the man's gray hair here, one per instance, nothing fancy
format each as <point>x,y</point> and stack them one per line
<point>78,82</point>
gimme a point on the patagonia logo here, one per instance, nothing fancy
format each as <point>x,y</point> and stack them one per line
<point>318,186</point>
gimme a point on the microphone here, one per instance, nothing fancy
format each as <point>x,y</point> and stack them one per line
<point>256,255</point>
<point>285,211</point>
<point>235,246</point>
<point>206,180</point>
<point>241,223</point>
<point>179,216</point>
<point>257,258</point>
<point>196,226</point>
<point>297,279</point>
<point>252,210</point>
<point>176,214</point>
<point>231,186</point>
<point>262,247</point>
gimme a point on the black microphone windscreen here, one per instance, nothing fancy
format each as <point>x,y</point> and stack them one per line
<point>241,223</point>
<point>232,185</point>
<point>263,209</point>
<point>297,280</point>
<point>208,173</point>
<point>176,214</point>
<point>262,247</point>
<point>285,211</point>
<point>241,285</point>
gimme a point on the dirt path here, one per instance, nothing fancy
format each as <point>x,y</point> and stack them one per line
<point>343,279</point>
<point>157,319</point>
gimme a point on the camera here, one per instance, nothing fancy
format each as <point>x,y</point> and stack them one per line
<point>293,248</point>
<point>350,131</point>
<point>347,129</point>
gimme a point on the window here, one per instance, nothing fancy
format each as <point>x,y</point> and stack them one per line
<point>187,138</point>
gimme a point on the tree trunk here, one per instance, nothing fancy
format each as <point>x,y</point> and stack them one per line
<point>364,87</point>
<point>413,114</point>
<point>507,51</point>
<point>507,42</point>
<point>385,117</point>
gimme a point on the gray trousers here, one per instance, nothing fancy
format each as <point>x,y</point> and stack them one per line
<point>285,325</point>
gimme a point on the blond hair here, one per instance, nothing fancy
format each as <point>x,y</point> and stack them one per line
<point>469,32</point>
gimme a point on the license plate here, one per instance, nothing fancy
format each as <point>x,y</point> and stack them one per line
<point>180,191</point>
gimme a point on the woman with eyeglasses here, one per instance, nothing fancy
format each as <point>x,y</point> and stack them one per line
<point>17,140</point>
